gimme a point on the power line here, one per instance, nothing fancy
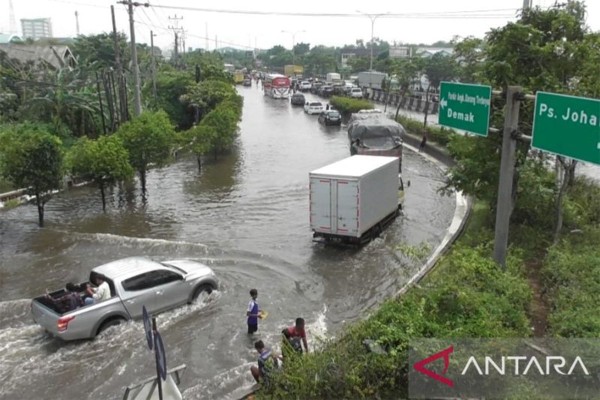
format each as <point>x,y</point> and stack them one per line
<point>452,14</point>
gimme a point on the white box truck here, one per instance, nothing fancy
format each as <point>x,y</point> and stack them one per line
<point>334,77</point>
<point>354,199</point>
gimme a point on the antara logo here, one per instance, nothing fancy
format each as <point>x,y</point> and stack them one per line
<point>445,354</point>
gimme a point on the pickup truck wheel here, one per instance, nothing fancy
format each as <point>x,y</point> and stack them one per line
<point>108,323</point>
<point>201,289</point>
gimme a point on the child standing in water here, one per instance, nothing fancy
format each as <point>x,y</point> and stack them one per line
<point>252,312</point>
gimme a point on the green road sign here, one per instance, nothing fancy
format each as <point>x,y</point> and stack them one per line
<point>465,107</point>
<point>567,125</point>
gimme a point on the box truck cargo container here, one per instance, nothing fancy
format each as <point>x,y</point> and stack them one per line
<point>354,199</point>
<point>371,79</point>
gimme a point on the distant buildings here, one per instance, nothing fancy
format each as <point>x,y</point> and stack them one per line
<point>427,52</point>
<point>36,28</point>
<point>6,38</point>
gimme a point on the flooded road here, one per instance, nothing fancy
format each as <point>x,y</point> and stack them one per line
<point>245,215</point>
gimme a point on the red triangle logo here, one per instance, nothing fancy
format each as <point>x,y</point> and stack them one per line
<point>445,354</point>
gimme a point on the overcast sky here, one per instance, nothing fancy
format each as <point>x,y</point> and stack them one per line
<point>410,22</point>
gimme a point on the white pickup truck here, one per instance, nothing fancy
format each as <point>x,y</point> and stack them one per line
<point>134,282</point>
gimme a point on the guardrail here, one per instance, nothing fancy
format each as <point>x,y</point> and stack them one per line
<point>411,103</point>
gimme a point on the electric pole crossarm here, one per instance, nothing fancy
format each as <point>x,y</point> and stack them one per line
<point>137,96</point>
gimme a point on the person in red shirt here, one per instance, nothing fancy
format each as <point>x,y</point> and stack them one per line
<point>296,336</point>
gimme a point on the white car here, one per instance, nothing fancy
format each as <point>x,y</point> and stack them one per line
<point>305,85</point>
<point>356,93</point>
<point>313,107</point>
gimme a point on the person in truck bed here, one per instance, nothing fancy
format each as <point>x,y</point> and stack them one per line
<point>68,302</point>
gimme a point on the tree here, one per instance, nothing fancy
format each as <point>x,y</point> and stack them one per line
<point>98,51</point>
<point>438,68</point>
<point>206,95</point>
<point>171,85</point>
<point>32,158</point>
<point>406,71</point>
<point>104,161</point>
<point>67,100</point>
<point>148,139</point>
<point>199,140</point>
<point>469,55</point>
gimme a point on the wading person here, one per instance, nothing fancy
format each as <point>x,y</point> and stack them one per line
<point>253,312</point>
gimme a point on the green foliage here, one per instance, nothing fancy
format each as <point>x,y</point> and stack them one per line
<point>440,68</point>
<point>476,169</point>
<point>211,66</point>
<point>98,51</point>
<point>171,85</point>
<point>104,161</point>
<point>148,139</point>
<point>347,105</point>
<point>572,275</point>
<point>206,95</point>
<point>469,55</point>
<point>67,102</point>
<point>12,203</point>
<point>32,158</point>
<point>535,194</point>
<point>417,253</point>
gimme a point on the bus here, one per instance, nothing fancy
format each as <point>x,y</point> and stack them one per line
<point>277,86</point>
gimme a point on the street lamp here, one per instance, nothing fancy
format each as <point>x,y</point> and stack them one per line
<point>293,43</point>
<point>372,17</point>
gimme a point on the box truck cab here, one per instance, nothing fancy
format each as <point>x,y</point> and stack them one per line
<point>355,199</point>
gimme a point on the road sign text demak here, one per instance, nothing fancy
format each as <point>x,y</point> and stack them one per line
<point>468,117</point>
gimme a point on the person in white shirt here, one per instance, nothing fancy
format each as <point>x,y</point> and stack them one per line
<point>101,293</point>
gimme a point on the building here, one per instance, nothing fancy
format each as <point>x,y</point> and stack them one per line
<point>6,38</point>
<point>54,57</point>
<point>400,52</point>
<point>427,52</point>
<point>36,28</point>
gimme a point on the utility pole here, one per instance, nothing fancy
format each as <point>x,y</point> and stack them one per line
<point>77,22</point>
<point>175,30</point>
<point>372,17</point>
<point>183,37</point>
<point>137,96</point>
<point>153,65</point>
<point>123,112</point>
<point>206,35</point>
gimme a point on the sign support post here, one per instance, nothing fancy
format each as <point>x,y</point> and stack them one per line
<point>158,374</point>
<point>504,204</point>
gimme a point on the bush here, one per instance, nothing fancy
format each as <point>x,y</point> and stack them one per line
<point>347,106</point>
<point>571,274</point>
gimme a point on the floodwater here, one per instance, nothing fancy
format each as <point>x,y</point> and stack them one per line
<point>246,215</point>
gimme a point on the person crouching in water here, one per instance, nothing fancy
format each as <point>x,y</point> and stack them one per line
<point>267,363</point>
<point>294,338</point>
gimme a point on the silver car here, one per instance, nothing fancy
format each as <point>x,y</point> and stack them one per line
<point>134,282</point>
